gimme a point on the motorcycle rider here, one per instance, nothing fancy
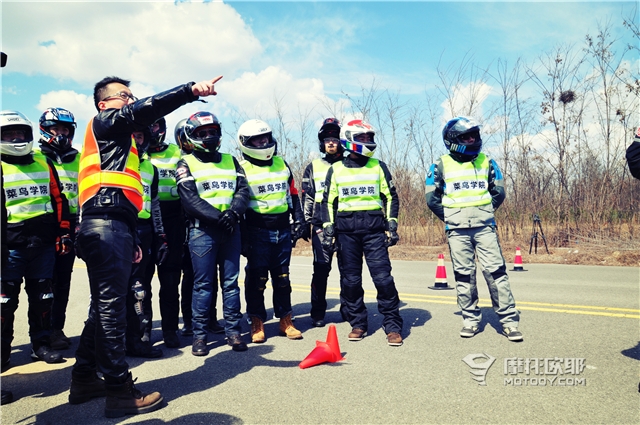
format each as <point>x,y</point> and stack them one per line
<point>312,191</point>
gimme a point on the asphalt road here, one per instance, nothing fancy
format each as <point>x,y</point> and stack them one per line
<point>580,325</point>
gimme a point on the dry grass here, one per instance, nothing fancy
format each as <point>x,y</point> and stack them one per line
<point>606,254</point>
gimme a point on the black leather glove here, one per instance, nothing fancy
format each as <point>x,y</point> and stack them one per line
<point>227,221</point>
<point>299,230</point>
<point>328,234</point>
<point>64,244</point>
<point>163,248</point>
<point>393,237</point>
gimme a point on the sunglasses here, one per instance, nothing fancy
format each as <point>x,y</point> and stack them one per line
<point>124,96</point>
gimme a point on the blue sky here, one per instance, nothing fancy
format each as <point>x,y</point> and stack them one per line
<point>304,55</point>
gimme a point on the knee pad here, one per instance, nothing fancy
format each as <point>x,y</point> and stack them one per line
<point>322,269</point>
<point>280,277</point>
<point>257,278</point>
<point>466,278</point>
<point>44,288</point>
<point>501,272</point>
<point>9,296</point>
<point>139,295</point>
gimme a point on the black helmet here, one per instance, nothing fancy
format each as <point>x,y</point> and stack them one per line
<point>57,116</point>
<point>203,130</point>
<point>330,128</point>
<point>452,132</point>
<point>157,136</point>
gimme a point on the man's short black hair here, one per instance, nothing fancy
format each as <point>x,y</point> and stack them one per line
<point>99,91</point>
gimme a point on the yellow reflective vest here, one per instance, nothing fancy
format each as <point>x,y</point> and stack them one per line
<point>268,186</point>
<point>216,182</point>
<point>26,189</point>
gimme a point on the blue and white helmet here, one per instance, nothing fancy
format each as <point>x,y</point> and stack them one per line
<point>457,127</point>
<point>57,116</point>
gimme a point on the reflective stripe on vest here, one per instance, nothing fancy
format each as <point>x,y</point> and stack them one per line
<point>146,178</point>
<point>268,187</point>
<point>466,183</point>
<point>358,188</point>
<point>92,177</point>
<point>68,175</point>
<point>166,162</point>
<point>26,189</point>
<point>320,168</point>
<point>216,182</point>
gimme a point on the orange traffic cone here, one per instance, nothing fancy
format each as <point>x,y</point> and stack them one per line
<point>441,275</point>
<point>332,341</point>
<point>321,354</point>
<point>517,262</point>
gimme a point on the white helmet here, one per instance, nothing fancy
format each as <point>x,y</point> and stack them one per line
<point>13,120</point>
<point>348,140</point>
<point>249,132</point>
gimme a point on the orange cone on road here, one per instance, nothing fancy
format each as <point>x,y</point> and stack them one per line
<point>324,352</point>
<point>517,262</point>
<point>334,345</point>
<point>321,354</point>
<point>441,275</point>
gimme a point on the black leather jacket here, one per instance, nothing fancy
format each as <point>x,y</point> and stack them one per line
<point>112,129</point>
<point>633,157</point>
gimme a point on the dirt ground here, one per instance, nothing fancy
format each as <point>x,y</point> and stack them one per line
<point>584,255</point>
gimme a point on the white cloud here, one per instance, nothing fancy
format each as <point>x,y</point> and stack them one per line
<point>257,93</point>
<point>159,43</point>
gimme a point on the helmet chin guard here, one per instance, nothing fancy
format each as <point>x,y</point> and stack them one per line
<point>15,121</point>
<point>349,138</point>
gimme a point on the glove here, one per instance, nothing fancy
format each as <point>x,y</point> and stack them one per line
<point>227,221</point>
<point>299,230</point>
<point>162,248</point>
<point>328,234</point>
<point>304,231</point>
<point>64,244</point>
<point>392,236</point>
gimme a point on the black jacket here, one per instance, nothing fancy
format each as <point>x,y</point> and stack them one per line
<point>633,157</point>
<point>112,129</point>
<point>309,190</point>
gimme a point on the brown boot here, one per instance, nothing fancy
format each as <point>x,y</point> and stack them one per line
<point>126,399</point>
<point>287,329</point>
<point>257,330</point>
<point>85,387</point>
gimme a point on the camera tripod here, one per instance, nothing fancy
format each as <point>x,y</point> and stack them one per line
<point>534,234</point>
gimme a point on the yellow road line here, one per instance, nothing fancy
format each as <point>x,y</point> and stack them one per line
<point>628,313</point>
